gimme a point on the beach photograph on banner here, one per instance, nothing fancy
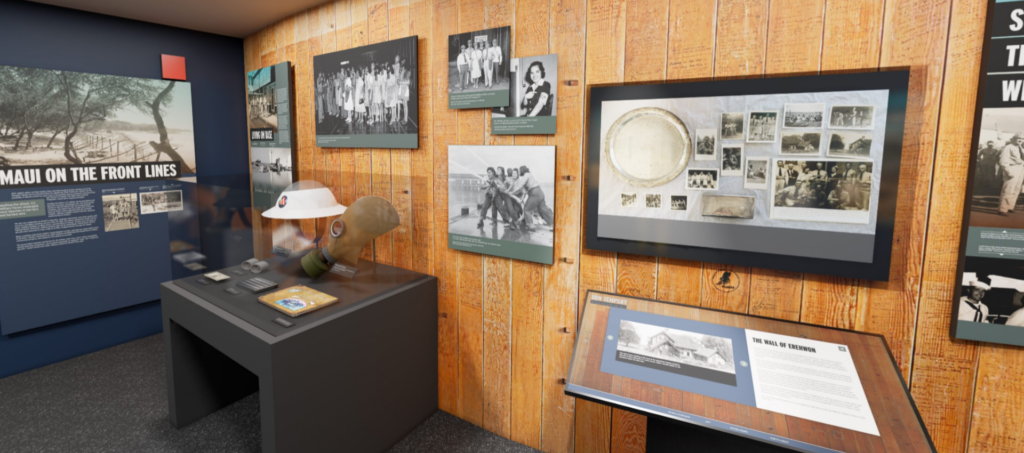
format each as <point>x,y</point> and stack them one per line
<point>75,118</point>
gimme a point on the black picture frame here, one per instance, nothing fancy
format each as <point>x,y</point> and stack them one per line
<point>992,73</point>
<point>895,80</point>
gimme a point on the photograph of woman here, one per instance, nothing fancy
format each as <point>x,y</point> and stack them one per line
<point>534,92</point>
<point>536,100</point>
<point>367,91</point>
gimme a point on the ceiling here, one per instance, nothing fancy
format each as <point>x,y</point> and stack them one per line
<point>238,18</point>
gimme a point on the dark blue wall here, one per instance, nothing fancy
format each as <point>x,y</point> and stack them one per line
<point>47,37</point>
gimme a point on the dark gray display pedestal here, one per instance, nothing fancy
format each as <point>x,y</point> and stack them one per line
<point>355,376</point>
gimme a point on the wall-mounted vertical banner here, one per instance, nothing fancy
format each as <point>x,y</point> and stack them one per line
<point>270,132</point>
<point>988,304</point>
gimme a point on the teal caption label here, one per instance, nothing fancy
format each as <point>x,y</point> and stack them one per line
<point>506,249</point>
<point>525,125</point>
<point>23,208</point>
<point>478,99</point>
<point>1006,243</point>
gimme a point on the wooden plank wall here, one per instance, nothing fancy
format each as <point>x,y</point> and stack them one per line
<point>503,346</point>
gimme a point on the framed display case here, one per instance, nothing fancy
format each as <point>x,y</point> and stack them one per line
<point>810,167</point>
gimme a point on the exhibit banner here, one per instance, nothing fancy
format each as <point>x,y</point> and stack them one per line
<point>659,359</point>
<point>367,97</point>
<point>533,98</point>
<point>790,173</point>
<point>987,301</point>
<point>500,201</point>
<point>270,133</point>
<point>269,93</point>
<point>91,171</point>
<point>478,68</point>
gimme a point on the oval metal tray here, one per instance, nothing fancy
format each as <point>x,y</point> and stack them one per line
<point>648,146</point>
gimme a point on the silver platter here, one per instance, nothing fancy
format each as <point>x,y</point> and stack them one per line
<point>648,146</point>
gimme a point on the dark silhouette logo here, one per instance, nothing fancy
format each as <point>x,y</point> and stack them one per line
<point>284,201</point>
<point>725,281</point>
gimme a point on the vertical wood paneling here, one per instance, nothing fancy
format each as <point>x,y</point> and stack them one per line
<point>605,60</point>
<point>852,41</point>
<point>401,159</point>
<point>380,159</point>
<point>566,32</point>
<point>691,39</point>
<point>421,25</point>
<point>470,265</point>
<point>303,106</point>
<point>498,346</point>
<point>346,167</point>
<point>363,168</point>
<point>318,156</point>
<point>691,56</point>
<point>445,22</point>
<point>740,38</point>
<point>646,60</point>
<point>943,378</point>
<point>502,349</point>
<point>527,352</point>
<point>528,19</point>
<point>915,34</point>
<point>498,274</point>
<point>332,156</point>
<point>853,35</point>
<point>740,41</point>
<point>794,47</point>
<point>996,422</point>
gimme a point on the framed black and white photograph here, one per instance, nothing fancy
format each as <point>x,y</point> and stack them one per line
<point>120,212</point>
<point>852,117</point>
<point>629,200</point>
<point>702,179</point>
<point>732,160</point>
<point>732,126</point>
<point>755,173</point>
<point>727,206</point>
<point>271,174</point>
<point>800,143</point>
<point>771,196</point>
<point>501,199</point>
<point>367,97</point>
<point>804,116</point>
<point>849,144</point>
<point>652,200</point>
<point>704,145</point>
<point>157,202</point>
<point>837,191</point>
<point>762,127</point>
<point>534,95</point>
<point>678,202</point>
<point>479,64</point>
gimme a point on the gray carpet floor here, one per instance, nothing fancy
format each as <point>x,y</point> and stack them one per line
<point>115,400</point>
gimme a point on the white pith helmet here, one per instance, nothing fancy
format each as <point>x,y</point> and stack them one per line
<point>305,200</point>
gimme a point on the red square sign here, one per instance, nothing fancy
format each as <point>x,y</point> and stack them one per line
<point>173,67</point>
